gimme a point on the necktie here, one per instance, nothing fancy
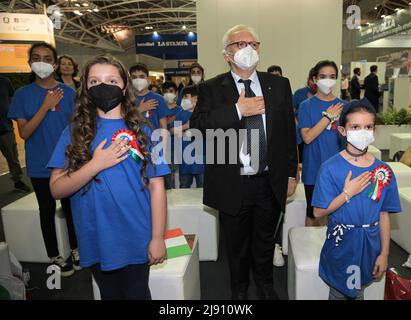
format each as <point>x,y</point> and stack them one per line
<point>255,122</point>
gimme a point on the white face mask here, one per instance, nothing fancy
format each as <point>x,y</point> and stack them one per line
<point>42,69</point>
<point>140,84</point>
<point>326,85</point>
<point>360,139</point>
<point>246,58</point>
<point>169,97</point>
<point>186,104</point>
<point>196,79</point>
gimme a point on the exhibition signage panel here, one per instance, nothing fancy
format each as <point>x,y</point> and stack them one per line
<point>169,46</point>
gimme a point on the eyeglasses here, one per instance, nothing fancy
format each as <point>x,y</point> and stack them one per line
<point>242,44</point>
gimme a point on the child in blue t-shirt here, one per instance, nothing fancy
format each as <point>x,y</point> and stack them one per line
<point>103,161</point>
<point>317,121</point>
<point>170,96</point>
<point>357,192</point>
<point>151,105</point>
<point>42,110</point>
<point>192,165</point>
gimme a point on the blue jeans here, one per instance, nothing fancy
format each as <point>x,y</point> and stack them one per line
<point>186,180</point>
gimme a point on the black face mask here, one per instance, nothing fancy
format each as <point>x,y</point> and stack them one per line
<point>105,96</point>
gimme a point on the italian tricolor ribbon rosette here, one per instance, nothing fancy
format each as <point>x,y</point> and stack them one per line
<point>128,136</point>
<point>381,177</point>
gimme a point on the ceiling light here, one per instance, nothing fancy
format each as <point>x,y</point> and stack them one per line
<point>77,12</point>
<point>77,5</point>
<point>85,4</point>
<point>184,27</point>
<point>89,10</point>
<point>375,8</point>
<point>155,33</point>
<point>191,33</point>
<point>148,28</point>
<point>96,10</point>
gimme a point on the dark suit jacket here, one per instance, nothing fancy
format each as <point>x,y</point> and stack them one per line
<point>355,88</point>
<point>371,89</point>
<point>216,110</point>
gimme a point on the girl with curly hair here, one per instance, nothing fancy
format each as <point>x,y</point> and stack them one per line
<point>103,161</point>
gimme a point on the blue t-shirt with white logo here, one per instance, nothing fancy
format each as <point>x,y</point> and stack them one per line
<point>154,116</point>
<point>347,246</point>
<point>326,145</point>
<point>112,214</point>
<point>40,145</point>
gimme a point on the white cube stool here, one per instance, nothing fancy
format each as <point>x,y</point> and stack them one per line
<point>401,223</point>
<point>186,211</point>
<point>21,223</point>
<point>399,142</point>
<point>294,214</point>
<point>304,283</point>
<point>174,279</point>
<point>402,173</point>
<point>376,152</point>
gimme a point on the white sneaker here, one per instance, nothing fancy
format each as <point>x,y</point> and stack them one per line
<point>278,256</point>
<point>408,262</point>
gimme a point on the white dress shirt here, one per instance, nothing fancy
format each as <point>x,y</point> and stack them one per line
<point>256,88</point>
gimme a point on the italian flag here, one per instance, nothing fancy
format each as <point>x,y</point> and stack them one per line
<point>176,243</point>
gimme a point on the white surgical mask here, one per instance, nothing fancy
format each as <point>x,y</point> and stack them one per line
<point>360,139</point>
<point>326,85</point>
<point>140,84</point>
<point>42,69</point>
<point>246,58</point>
<point>196,79</point>
<point>169,97</point>
<point>186,104</point>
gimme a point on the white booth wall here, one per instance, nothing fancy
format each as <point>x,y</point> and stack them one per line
<point>294,34</point>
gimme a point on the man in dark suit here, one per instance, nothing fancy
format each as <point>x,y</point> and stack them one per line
<point>371,87</point>
<point>251,191</point>
<point>355,87</point>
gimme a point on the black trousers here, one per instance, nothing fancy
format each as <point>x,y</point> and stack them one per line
<point>309,191</point>
<point>47,207</point>
<point>128,283</point>
<point>8,148</point>
<point>250,234</point>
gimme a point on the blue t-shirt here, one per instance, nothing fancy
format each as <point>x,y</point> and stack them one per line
<point>327,144</point>
<point>299,96</point>
<point>112,218</point>
<point>154,115</point>
<point>40,145</point>
<point>354,246</point>
<point>194,164</point>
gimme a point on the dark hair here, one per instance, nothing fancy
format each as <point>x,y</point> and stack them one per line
<point>311,75</point>
<point>43,44</point>
<point>139,67</point>
<point>373,68</point>
<point>75,65</point>
<point>169,84</point>
<point>357,70</point>
<point>84,124</point>
<point>192,90</point>
<point>195,65</point>
<point>275,68</point>
<point>362,105</point>
<point>151,86</point>
<point>323,64</point>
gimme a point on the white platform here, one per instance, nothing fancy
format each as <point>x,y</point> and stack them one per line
<point>174,279</point>
<point>402,173</point>
<point>375,151</point>
<point>294,214</point>
<point>304,283</point>
<point>186,211</point>
<point>401,223</point>
<point>21,223</point>
<point>399,142</point>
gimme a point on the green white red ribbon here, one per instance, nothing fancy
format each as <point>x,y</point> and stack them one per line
<point>127,135</point>
<point>381,177</point>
